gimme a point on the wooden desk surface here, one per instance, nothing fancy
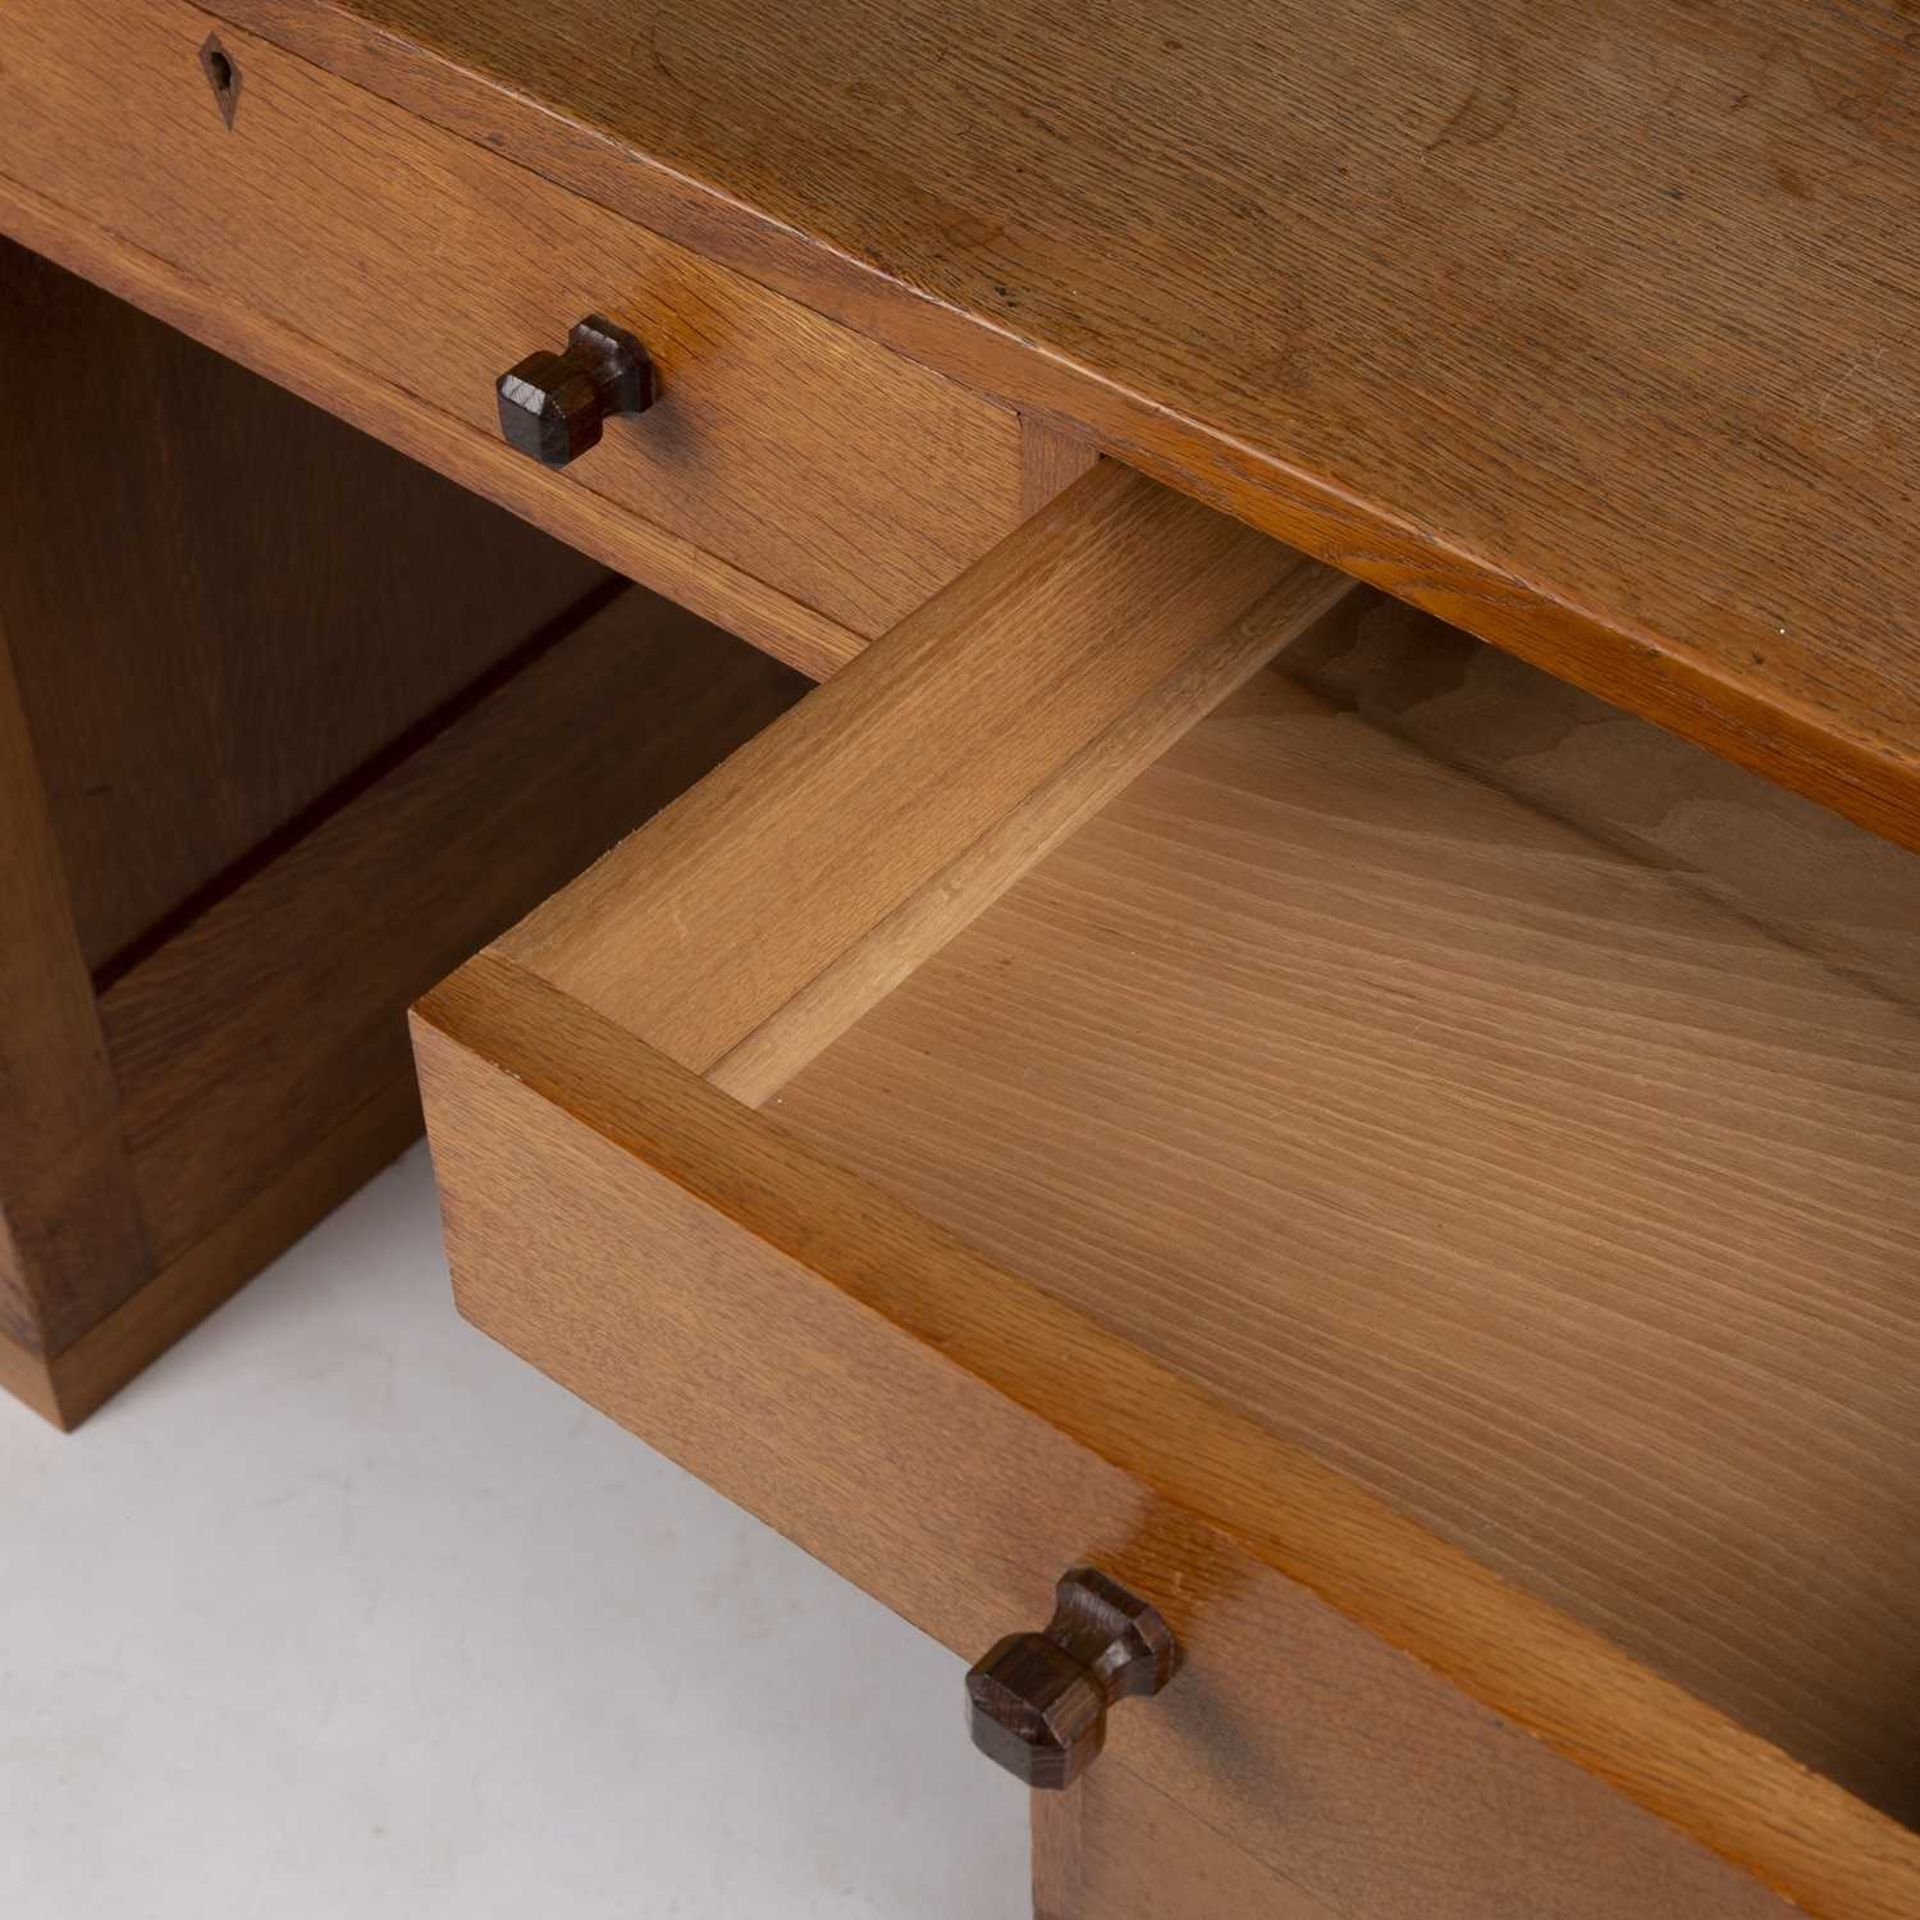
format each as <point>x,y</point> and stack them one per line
<point>1589,324</point>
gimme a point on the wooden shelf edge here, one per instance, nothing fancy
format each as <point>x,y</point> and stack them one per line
<point>1682,1760</point>
<point>1872,779</point>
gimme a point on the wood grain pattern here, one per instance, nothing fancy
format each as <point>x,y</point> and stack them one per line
<point>869,967</point>
<point>1533,315</point>
<point>240,1043</point>
<point>260,1051</point>
<point>1114,1848</point>
<point>1574,1215</point>
<point>1051,459</point>
<point>1054,1824</point>
<point>1378,978</point>
<point>897,766</point>
<point>71,1243</point>
<point>479,461</point>
<point>76,1382</point>
<point>217,597</point>
<point>1811,879</point>
<point>790,448</point>
<point>948,1437</point>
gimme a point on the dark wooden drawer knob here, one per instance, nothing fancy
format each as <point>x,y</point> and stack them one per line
<point>552,404</point>
<point>1038,1702</point>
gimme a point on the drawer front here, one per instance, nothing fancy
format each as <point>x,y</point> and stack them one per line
<point>829,469</point>
<point>633,1268</point>
<point>1115,1849</point>
<point>925,1419</point>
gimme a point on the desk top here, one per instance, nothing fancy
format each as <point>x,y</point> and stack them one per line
<point>1588,324</point>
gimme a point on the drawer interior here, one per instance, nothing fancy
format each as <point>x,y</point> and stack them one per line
<point>1533,1139</point>
<point>1347,1107</point>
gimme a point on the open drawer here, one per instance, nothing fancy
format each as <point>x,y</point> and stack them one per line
<point>1166,1064</point>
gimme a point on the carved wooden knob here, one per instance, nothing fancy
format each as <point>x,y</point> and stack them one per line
<point>552,404</point>
<point>1038,1702</point>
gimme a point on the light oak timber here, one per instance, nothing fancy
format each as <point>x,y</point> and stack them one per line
<point>1051,459</point>
<point>790,448</point>
<point>71,1241</point>
<point>239,1043</point>
<point>1812,879</point>
<point>478,460</point>
<point>878,781</point>
<point>870,967</point>
<point>1575,1216</point>
<point>745,1292</point>
<point>1114,1848</point>
<point>1533,316</point>
<point>948,1437</point>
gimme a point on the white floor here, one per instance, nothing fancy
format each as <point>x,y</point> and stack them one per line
<point>342,1611</point>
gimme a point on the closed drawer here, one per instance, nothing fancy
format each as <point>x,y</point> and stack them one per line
<point>1159,1067</point>
<point>845,482</point>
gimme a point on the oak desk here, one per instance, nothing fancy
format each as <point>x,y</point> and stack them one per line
<point>1178,1057</point>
